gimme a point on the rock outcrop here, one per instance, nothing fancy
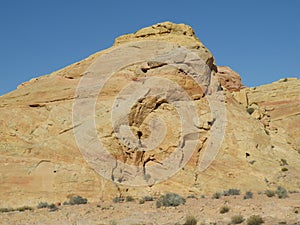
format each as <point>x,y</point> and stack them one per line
<point>229,79</point>
<point>150,98</point>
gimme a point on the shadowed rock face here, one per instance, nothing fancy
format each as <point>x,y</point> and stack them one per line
<point>41,160</point>
<point>229,79</point>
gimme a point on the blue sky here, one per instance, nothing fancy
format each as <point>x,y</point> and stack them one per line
<point>258,39</point>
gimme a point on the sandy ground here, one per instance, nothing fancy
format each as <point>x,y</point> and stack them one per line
<point>205,210</point>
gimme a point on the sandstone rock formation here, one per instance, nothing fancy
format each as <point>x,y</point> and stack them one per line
<point>229,79</point>
<point>50,152</point>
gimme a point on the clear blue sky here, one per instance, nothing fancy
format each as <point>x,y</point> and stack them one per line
<point>260,39</point>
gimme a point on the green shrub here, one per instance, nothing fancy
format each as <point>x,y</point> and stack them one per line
<point>52,207</point>
<point>283,162</point>
<point>248,195</point>
<point>190,220</point>
<point>129,199</point>
<point>250,110</point>
<point>142,201</point>
<point>170,199</point>
<point>237,219</point>
<point>284,169</point>
<point>217,195</point>
<point>77,200</point>
<point>231,192</point>
<point>148,198</point>
<point>281,192</point>
<point>24,208</point>
<point>191,196</point>
<point>6,210</point>
<point>270,193</point>
<point>118,199</point>
<point>255,220</point>
<point>42,205</point>
<point>224,209</point>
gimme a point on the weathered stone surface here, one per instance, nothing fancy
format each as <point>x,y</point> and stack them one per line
<point>41,160</point>
<point>229,79</point>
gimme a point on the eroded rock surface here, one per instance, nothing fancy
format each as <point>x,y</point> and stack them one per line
<point>41,159</point>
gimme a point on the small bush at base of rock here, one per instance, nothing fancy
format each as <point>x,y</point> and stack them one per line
<point>77,200</point>
<point>190,220</point>
<point>270,193</point>
<point>255,220</point>
<point>237,219</point>
<point>170,199</point>
<point>224,209</point>
<point>248,195</point>
<point>281,192</point>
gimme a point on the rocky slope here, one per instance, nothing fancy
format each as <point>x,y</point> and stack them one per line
<point>216,133</point>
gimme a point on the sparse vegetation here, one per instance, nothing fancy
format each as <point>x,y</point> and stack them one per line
<point>237,219</point>
<point>129,199</point>
<point>281,192</point>
<point>217,195</point>
<point>224,209</point>
<point>6,210</point>
<point>255,220</point>
<point>148,198</point>
<point>42,205</point>
<point>24,208</point>
<point>284,169</point>
<point>190,220</point>
<point>52,207</point>
<point>250,110</point>
<point>170,199</point>
<point>231,192</point>
<point>270,193</point>
<point>283,162</point>
<point>118,199</point>
<point>248,195</point>
<point>77,200</point>
<point>191,196</point>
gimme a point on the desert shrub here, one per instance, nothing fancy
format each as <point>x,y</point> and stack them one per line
<point>250,110</point>
<point>283,162</point>
<point>148,198</point>
<point>217,195</point>
<point>248,195</point>
<point>129,199</point>
<point>24,208</point>
<point>191,196</point>
<point>281,192</point>
<point>118,199</point>
<point>231,192</point>
<point>42,205</point>
<point>77,200</point>
<point>270,193</point>
<point>237,219</point>
<point>52,207</point>
<point>224,209</point>
<point>190,220</point>
<point>284,169</point>
<point>142,201</point>
<point>255,220</point>
<point>6,210</point>
<point>170,199</point>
